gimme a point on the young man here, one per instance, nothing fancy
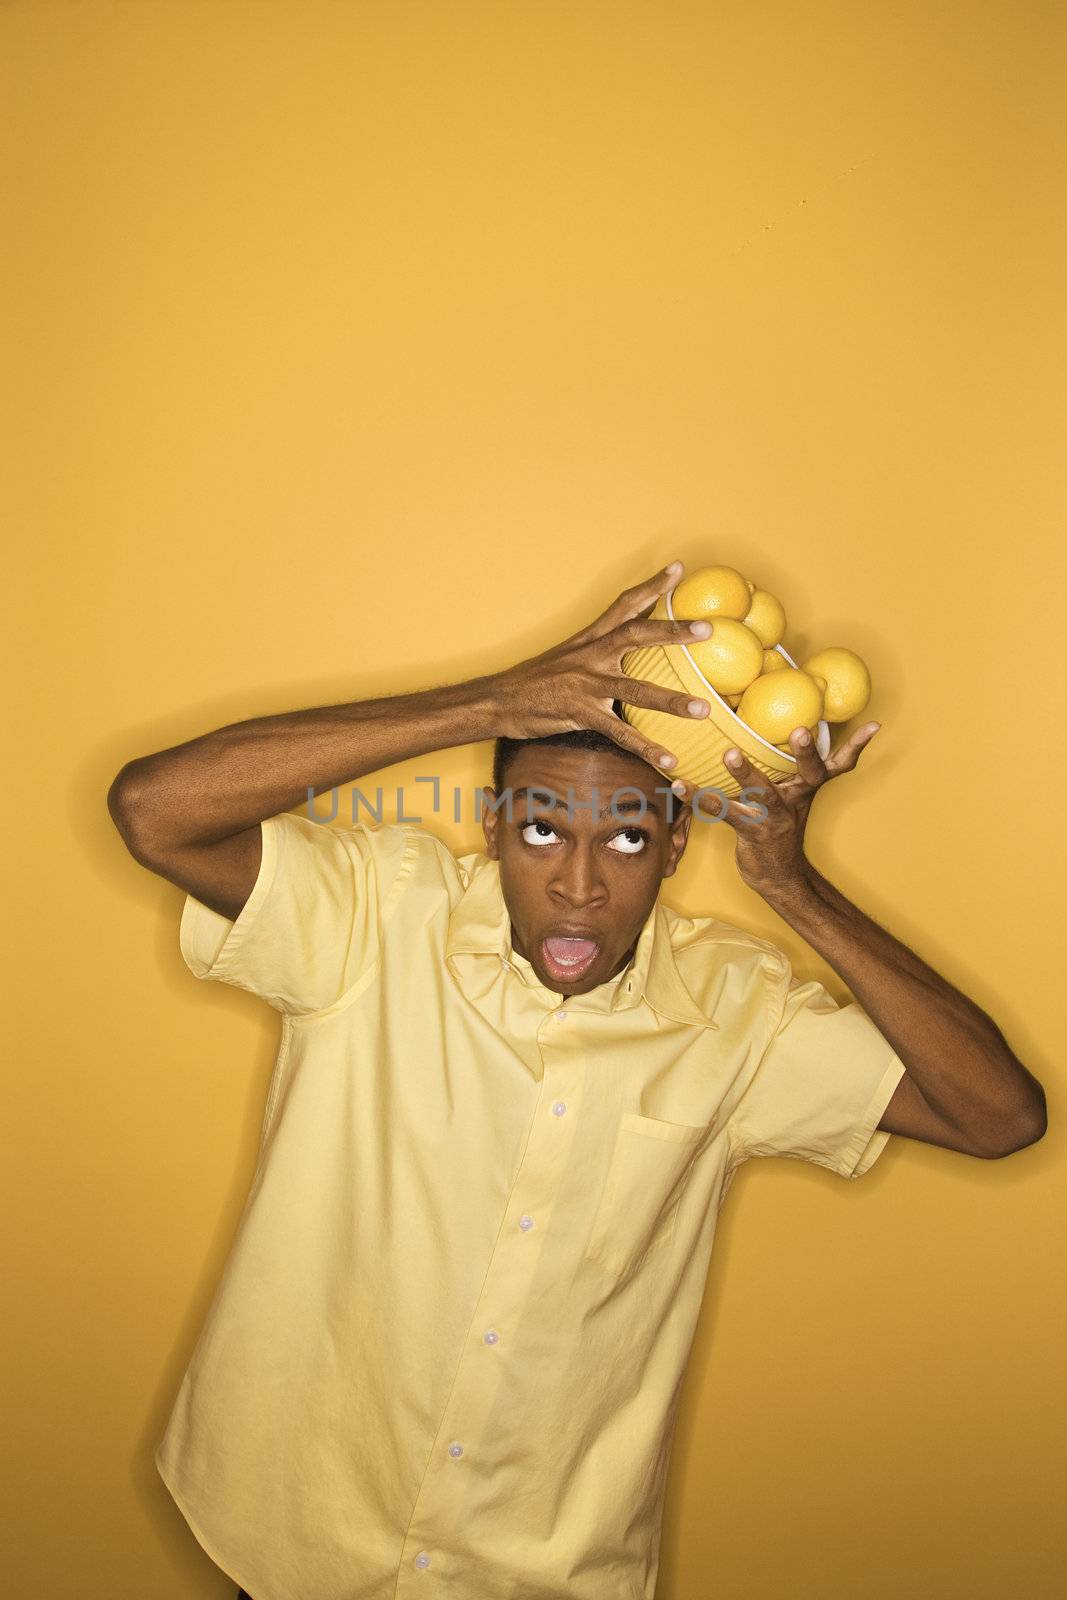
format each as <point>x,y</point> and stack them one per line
<point>511,1094</point>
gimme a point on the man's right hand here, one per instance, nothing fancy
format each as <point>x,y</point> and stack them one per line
<point>575,684</point>
<point>192,813</point>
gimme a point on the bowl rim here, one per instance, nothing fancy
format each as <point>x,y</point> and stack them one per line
<point>822,737</point>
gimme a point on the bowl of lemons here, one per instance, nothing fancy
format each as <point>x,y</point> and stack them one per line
<point>758,694</point>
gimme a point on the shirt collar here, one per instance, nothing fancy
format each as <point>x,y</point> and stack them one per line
<point>481,925</point>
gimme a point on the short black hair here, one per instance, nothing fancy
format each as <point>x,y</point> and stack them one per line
<point>506,749</point>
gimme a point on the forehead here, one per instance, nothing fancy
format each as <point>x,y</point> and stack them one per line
<point>591,776</point>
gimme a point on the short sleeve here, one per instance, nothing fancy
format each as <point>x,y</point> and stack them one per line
<point>822,1084</point>
<point>312,925</point>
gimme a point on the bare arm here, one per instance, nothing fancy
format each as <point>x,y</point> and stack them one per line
<point>964,1088</point>
<point>192,813</point>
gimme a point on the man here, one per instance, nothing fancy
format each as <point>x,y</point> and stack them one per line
<point>511,1093</point>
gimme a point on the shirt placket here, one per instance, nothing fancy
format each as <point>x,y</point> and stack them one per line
<point>464,1437</point>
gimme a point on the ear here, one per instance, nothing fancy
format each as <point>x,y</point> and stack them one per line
<point>490,823</point>
<point>679,839</point>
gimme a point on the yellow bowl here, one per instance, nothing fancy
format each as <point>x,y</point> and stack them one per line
<point>700,743</point>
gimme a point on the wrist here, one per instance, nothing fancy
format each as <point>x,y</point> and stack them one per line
<point>468,712</point>
<point>793,890</point>
<point>507,705</point>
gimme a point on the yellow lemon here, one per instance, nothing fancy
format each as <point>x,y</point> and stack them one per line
<point>778,702</point>
<point>773,661</point>
<point>732,699</point>
<point>731,658</point>
<point>848,682</point>
<point>766,617</point>
<point>711,592</point>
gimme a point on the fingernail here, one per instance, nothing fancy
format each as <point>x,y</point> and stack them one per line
<point>678,788</point>
<point>674,569</point>
<point>701,629</point>
<point>733,757</point>
<point>803,737</point>
<point>697,708</point>
<point>667,760</point>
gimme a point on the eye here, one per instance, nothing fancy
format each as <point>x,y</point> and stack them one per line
<point>629,847</point>
<point>539,839</point>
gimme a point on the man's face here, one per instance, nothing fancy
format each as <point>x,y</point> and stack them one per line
<point>579,880</point>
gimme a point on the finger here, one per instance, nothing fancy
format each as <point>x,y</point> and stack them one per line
<point>632,602</point>
<point>846,755</point>
<point>810,764</point>
<point>628,738</point>
<point>636,692</point>
<point>710,802</point>
<point>723,808</point>
<point>640,632</point>
<point>740,767</point>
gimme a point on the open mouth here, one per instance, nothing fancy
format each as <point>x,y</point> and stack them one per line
<point>569,958</point>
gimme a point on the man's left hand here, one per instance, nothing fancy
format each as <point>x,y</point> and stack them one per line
<point>769,818</point>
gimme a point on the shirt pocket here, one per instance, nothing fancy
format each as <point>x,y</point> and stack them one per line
<point>647,1174</point>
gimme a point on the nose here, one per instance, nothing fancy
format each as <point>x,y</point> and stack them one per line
<point>576,882</point>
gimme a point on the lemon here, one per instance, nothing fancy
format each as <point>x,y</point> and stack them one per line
<point>766,617</point>
<point>733,699</point>
<point>848,682</point>
<point>731,658</point>
<point>773,661</point>
<point>711,592</point>
<point>778,702</point>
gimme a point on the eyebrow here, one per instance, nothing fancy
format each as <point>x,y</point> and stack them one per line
<point>623,806</point>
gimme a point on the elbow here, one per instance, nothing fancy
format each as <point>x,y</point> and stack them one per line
<point>121,802</point>
<point>1031,1130</point>
<point>129,809</point>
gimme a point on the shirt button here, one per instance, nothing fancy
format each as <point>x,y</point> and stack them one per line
<point>422,1559</point>
<point>561,1015</point>
<point>491,1336</point>
<point>526,1223</point>
<point>455,1448</point>
<point>559,1108</point>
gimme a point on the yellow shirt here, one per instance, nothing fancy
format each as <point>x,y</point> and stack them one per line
<point>445,1354</point>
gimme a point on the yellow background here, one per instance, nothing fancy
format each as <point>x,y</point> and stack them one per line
<point>356,348</point>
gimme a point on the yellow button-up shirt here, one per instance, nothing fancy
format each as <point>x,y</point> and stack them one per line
<point>445,1354</point>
